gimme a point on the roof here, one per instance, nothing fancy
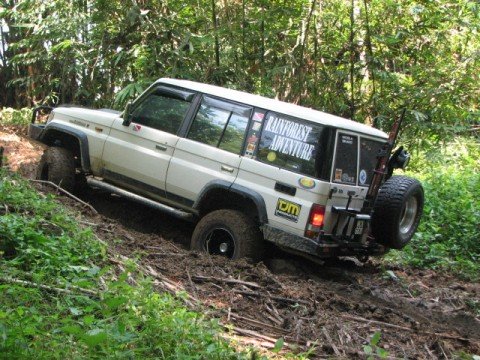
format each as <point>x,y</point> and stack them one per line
<point>276,105</point>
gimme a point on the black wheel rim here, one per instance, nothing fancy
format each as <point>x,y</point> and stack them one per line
<point>220,241</point>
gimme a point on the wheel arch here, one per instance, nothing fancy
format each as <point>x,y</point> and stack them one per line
<point>220,194</point>
<point>72,139</point>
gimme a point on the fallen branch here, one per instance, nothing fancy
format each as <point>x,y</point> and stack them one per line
<point>165,254</point>
<point>382,323</point>
<point>278,298</point>
<point>254,334</point>
<point>330,341</point>
<point>226,281</point>
<point>49,288</point>
<point>258,323</point>
<point>66,193</point>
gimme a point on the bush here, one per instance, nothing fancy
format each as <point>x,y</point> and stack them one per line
<point>9,116</point>
<point>450,229</point>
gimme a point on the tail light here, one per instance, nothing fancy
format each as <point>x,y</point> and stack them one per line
<point>315,221</point>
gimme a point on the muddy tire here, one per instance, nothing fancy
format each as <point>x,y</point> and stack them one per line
<point>397,211</point>
<point>58,166</point>
<point>229,233</point>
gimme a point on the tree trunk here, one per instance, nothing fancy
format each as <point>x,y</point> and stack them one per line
<point>215,27</point>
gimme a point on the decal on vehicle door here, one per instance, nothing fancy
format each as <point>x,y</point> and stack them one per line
<point>362,177</point>
<point>258,116</point>
<point>288,210</point>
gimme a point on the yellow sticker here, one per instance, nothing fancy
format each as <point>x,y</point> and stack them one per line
<point>271,156</point>
<point>288,210</point>
<point>306,183</point>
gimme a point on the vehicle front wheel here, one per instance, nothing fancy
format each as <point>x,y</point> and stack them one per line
<point>397,211</point>
<point>228,233</point>
<point>58,166</point>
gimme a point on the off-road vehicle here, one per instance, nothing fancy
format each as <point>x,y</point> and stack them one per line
<point>247,169</point>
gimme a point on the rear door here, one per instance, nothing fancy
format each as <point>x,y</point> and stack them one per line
<point>210,151</point>
<point>137,156</point>
<point>291,158</point>
<point>352,171</point>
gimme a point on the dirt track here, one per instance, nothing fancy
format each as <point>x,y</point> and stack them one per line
<point>337,306</point>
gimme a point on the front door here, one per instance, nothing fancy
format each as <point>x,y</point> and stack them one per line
<point>137,156</point>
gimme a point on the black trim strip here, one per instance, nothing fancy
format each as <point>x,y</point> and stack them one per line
<point>129,182</point>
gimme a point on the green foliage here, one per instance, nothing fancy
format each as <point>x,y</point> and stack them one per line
<point>9,116</point>
<point>448,234</point>
<point>337,56</point>
<point>40,243</point>
<point>373,350</point>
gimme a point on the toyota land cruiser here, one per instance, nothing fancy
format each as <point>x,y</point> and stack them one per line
<point>247,169</point>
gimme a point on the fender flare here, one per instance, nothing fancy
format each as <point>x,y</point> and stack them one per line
<point>239,190</point>
<point>78,134</point>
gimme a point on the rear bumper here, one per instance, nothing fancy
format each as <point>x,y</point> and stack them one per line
<point>324,247</point>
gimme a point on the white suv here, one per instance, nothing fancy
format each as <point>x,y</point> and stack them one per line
<point>245,167</point>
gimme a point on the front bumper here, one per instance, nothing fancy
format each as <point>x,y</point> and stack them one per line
<point>35,130</point>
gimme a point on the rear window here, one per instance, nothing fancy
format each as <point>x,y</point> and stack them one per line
<point>368,160</point>
<point>290,143</point>
<point>345,168</point>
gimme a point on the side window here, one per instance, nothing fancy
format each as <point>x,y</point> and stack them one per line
<point>220,124</point>
<point>291,143</point>
<point>161,112</point>
<point>345,168</point>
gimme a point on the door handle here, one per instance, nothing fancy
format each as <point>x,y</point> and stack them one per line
<point>285,188</point>
<point>227,168</point>
<point>161,147</point>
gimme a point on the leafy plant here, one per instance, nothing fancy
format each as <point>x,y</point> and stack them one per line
<point>448,234</point>
<point>9,116</point>
<point>373,350</point>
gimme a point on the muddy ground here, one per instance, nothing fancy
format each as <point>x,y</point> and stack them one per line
<point>336,307</point>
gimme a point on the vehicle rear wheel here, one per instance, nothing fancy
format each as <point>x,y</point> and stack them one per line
<point>397,211</point>
<point>228,233</point>
<point>58,166</point>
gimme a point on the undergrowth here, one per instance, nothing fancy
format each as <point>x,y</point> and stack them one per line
<point>9,116</point>
<point>449,233</point>
<point>84,309</point>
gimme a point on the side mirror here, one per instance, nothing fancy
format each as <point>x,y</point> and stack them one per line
<point>127,116</point>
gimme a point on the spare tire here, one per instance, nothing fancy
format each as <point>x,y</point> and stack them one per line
<point>397,211</point>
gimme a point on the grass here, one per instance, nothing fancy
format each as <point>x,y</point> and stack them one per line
<point>40,243</point>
